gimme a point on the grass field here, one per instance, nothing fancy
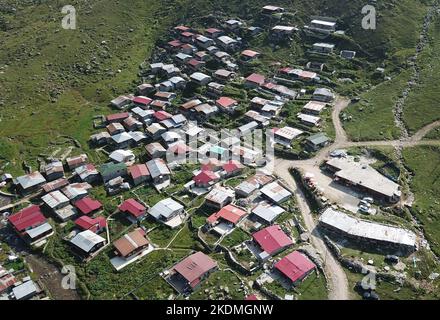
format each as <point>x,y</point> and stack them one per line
<point>372,118</point>
<point>424,162</point>
<point>422,106</point>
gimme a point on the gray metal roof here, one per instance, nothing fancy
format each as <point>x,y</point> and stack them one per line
<point>30,180</point>
<point>86,240</point>
<point>157,167</point>
<point>24,290</point>
<point>165,208</point>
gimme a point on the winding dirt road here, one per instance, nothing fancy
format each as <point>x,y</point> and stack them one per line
<point>338,283</point>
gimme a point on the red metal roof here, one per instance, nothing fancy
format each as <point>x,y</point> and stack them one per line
<point>272,239</point>
<point>256,78</point>
<point>142,100</point>
<point>133,207</point>
<point>229,213</point>
<point>193,267</point>
<point>87,223</point>
<point>139,170</point>
<point>30,217</point>
<point>250,53</point>
<point>6,282</point>
<point>117,116</point>
<point>295,266</point>
<point>251,297</point>
<point>175,43</point>
<point>179,149</point>
<point>162,115</point>
<point>232,166</point>
<point>213,30</point>
<point>182,28</point>
<point>206,176</point>
<point>87,205</point>
<point>226,102</point>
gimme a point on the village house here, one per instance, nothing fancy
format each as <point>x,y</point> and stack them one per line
<point>295,267</point>
<point>174,45</point>
<point>314,107</point>
<point>223,75</point>
<point>250,185</point>
<point>326,48</point>
<point>165,96</point>
<point>100,139</point>
<point>121,102</point>
<point>159,105</point>
<point>114,129</point>
<point>315,66</point>
<point>367,233</point>
<point>211,164</point>
<point>139,174</point>
<point>168,212</point>
<point>165,86</point>
<point>188,49</point>
<point>215,89</point>
<point>219,197</point>
<point>275,192</point>
<point>112,170</point>
<point>202,56</point>
<point>25,291</point>
<point>155,68</point>
<point>224,221</point>
<point>271,241</point>
<point>131,124</point>
<point>204,42</point>
<point>116,185</point>
<point>364,178</point>
<point>86,243</point>
<point>227,43</point>
<point>170,137</point>
<point>233,24</point>
<point>246,155</point>
<point>309,120</point>
<point>55,185</point>
<point>29,183</point>
<point>145,89</point>
<point>188,275</point>
<point>77,161</point>
<point>258,103</point>
<point>249,55</point>
<point>134,210</point>
<point>348,54</point>
<point>323,94</point>
<point>200,79</point>
<point>205,179</point>
<point>142,102</point>
<point>137,137</point>
<point>254,80</point>
<point>227,104</point>
<point>126,156</point>
<point>252,115</point>
<point>160,173</point>
<point>222,56</point>
<point>186,37</point>
<point>96,225</point>
<point>155,130</point>
<point>231,168</point>
<point>247,128</point>
<point>195,64</point>
<point>181,28</point>
<point>214,32</point>
<point>30,224</point>
<point>322,26</point>
<point>176,121</point>
<point>254,31</point>
<point>130,248</point>
<point>270,10</point>
<point>282,32</point>
<point>317,141</point>
<point>55,200</point>
<point>155,150</point>
<point>142,115</point>
<point>266,213</point>
<point>117,117</point>
<point>54,170</point>
<point>205,111</point>
<point>121,140</point>
<point>76,191</point>
<point>286,135</point>
<point>189,105</point>
<point>88,206</point>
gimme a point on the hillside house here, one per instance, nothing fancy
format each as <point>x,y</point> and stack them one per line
<point>168,212</point>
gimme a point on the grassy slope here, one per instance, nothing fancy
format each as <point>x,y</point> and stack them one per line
<point>422,105</point>
<point>372,117</point>
<point>43,61</point>
<point>400,27</point>
<point>424,162</point>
